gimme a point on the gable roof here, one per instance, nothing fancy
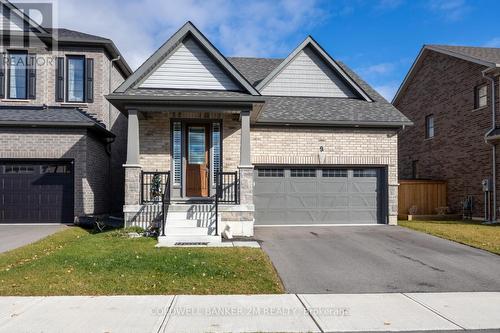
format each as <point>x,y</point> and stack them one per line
<point>310,42</point>
<point>166,49</point>
<point>486,56</point>
<point>333,111</point>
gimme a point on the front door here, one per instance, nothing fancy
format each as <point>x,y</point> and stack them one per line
<point>197,166</point>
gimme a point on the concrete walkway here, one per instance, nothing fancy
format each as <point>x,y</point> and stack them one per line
<point>257,313</point>
<point>16,235</point>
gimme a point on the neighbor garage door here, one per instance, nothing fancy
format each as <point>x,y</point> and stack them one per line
<point>36,192</point>
<point>318,195</point>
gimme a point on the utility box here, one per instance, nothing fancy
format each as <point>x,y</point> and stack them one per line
<point>487,185</point>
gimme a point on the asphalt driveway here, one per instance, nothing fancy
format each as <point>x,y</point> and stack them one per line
<point>14,236</point>
<point>375,259</point>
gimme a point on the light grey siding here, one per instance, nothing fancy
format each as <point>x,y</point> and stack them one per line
<point>308,75</point>
<point>190,67</point>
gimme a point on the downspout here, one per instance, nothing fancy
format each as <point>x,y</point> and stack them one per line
<point>493,145</point>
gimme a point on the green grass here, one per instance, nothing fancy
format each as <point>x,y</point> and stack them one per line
<point>76,262</point>
<point>472,233</point>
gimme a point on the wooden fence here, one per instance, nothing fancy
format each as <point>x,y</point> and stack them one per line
<point>425,195</point>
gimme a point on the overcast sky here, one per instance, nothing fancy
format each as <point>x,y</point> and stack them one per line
<point>377,38</point>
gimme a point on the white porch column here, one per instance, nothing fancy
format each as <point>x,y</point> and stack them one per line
<point>245,167</point>
<point>132,167</point>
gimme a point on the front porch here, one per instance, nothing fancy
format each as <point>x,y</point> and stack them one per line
<point>177,162</point>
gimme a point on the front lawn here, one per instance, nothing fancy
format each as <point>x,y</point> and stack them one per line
<point>76,262</point>
<point>473,233</point>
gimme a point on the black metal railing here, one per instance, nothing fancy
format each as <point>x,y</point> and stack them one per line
<point>153,185</point>
<point>165,203</point>
<point>228,187</point>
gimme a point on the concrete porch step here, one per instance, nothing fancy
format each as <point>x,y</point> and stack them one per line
<point>182,223</point>
<point>183,231</point>
<point>170,240</point>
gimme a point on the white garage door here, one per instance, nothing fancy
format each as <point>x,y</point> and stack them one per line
<point>318,195</point>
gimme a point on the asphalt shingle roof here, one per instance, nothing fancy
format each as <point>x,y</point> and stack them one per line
<point>51,116</point>
<point>184,93</point>
<point>254,69</point>
<point>67,33</point>
<point>488,54</point>
<point>282,109</point>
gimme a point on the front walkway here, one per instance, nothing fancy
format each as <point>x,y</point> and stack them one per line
<point>257,313</point>
<point>16,235</point>
<point>375,259</point>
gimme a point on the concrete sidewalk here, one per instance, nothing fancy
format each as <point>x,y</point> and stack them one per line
<point>256,313</point>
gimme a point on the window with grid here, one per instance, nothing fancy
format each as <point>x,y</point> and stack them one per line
<point>176,154</point>
<point>303,172</point>
<point>365,173</point>
<point>429,126</point>
<point>271,173</point>
<point>341,173</point>
<point>481,96</point>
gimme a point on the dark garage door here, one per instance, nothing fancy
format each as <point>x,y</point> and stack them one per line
<point>318,196</point>
<point>36,192</point>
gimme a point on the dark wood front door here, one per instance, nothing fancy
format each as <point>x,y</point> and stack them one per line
<point>197,166</point>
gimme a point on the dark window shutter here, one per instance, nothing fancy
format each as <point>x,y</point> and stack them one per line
<point>89,68</point>
<point>2,75</point>
<point>32,76</point>
<point>60,79</point>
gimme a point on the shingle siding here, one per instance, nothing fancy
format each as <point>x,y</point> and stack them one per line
<point>444,87</point>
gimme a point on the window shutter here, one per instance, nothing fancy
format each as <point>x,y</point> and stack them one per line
<point>60,79</point>
<point>89,69</point>
<point>2,75</point>
<point>32,76</point>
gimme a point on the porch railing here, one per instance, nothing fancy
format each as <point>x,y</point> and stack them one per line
<point>165,204</point>
<point>228,187</point>
<point>153,185</point>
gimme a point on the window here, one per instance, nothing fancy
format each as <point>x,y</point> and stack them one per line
<point>17,169</point>
<point>177,152</point>
<point>75,85</point>
<point>216,160</point>
<point>481,96</point>
<point>55,168</point>
<point>365,173</point>
<point>271,173</point>
<point>429,126</point>
<point>196,144</point>
<point>18,75</point>
<point>341,173</point>
<point>303,172</point>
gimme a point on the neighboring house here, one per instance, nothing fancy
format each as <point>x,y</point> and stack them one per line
<point>62,145</point>
<point>448,95</point>
<point>308,141</point>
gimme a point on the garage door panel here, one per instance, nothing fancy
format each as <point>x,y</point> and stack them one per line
<point>34,192</point>
<point>318,196</point>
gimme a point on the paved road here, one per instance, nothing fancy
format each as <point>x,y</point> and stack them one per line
<point>14,236</point>
<point>375,259</point>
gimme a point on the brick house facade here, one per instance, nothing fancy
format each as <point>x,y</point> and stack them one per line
<point>41,129</point>
<point>443,83</point>
<point>303,140</point>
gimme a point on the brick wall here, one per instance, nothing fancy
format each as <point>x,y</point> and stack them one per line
<point>115,121</point>
<point>86,152</point>
<point>444,86</point>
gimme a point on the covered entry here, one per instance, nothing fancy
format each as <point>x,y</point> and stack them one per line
<point>36,192</point>
<point>312,196</point>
